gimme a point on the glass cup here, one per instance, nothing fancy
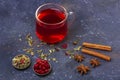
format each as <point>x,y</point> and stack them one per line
<point>51,23</point>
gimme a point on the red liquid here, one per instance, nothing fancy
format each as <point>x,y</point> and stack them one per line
<point>51,33</point>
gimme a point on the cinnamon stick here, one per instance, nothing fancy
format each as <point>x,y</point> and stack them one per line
<point>96,54</point>
<point>97,46</point>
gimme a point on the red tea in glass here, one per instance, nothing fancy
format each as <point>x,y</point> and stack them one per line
<point>51,23</point>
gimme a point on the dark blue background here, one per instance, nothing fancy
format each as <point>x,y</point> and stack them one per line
<point>96,21</point>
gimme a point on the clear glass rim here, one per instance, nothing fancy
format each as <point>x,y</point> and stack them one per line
<point>65,11</point>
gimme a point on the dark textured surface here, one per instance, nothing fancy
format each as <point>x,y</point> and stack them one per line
<point>96,21</point>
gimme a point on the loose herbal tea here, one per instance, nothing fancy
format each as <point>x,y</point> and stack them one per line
<point>21,61</point>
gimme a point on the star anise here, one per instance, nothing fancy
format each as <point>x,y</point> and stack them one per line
<point>83,69</point>
<point>94,62</point>
<point>79,57</point>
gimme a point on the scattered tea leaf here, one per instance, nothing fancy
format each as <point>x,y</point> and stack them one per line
<point>77,48</point>
<point>39,51</point>
<point>54,59</point>
<point>38,46</point>
<point>29,50</point>
<point>43,56</point>
<point>51,50</point>
<point>32,53</point>
<point>29,40</point>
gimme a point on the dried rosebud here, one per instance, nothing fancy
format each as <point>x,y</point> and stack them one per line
<point>64,46</point>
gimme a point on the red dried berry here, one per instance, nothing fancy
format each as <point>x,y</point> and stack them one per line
<point>64,46</point>
<point>46,70</point>
<point>47,66</point>
<point>35,66</point>
<point>41,72</point>
<point>41,66</point>
<point>46,62</point>
<point>22,61</point>
<point>37,71</point>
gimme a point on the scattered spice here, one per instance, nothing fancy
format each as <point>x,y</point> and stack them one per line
<point>32,53</point>
<point>75,42</point>
<point>69,52</point>
<point>94,62</point>
<point>57,48</point>
<point>38,46</point>
<point>42,67</point>
<point>54,59</point>
<point>97,46</point>
<point>83,69</point>
<point>51,50</point>
<point>77,48</point>
<point>39,51</point>
<point>43,56</point>
<point>43,43</point>
<point>21,61</point>
<point>64,46</point>
<point>29,50</point>
<point>96,54</point>
<point>79,57</point>
<point>29,40</point>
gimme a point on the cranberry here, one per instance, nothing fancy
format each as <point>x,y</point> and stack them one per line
<point>41,72</point>
<point>46,70</point>
<point>35,66</point>
<point>41,66</point>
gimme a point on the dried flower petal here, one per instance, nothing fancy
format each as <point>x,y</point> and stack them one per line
<point>54,59</point>
<point>51,50</point>
<point>29,50</point>
<point>43,56</point>
<point>64,46</point>
<point>32,53</point>
<point>77,48</point>
<point>39,51</point>
<point>29,40</point>
<point>38,46</point>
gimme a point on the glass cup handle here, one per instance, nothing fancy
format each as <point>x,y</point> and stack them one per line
<point>71,18</point>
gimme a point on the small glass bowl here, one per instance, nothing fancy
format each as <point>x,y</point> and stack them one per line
<point>44,73</point>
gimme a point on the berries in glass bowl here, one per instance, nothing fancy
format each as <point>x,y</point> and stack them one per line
<point>42,67</point>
